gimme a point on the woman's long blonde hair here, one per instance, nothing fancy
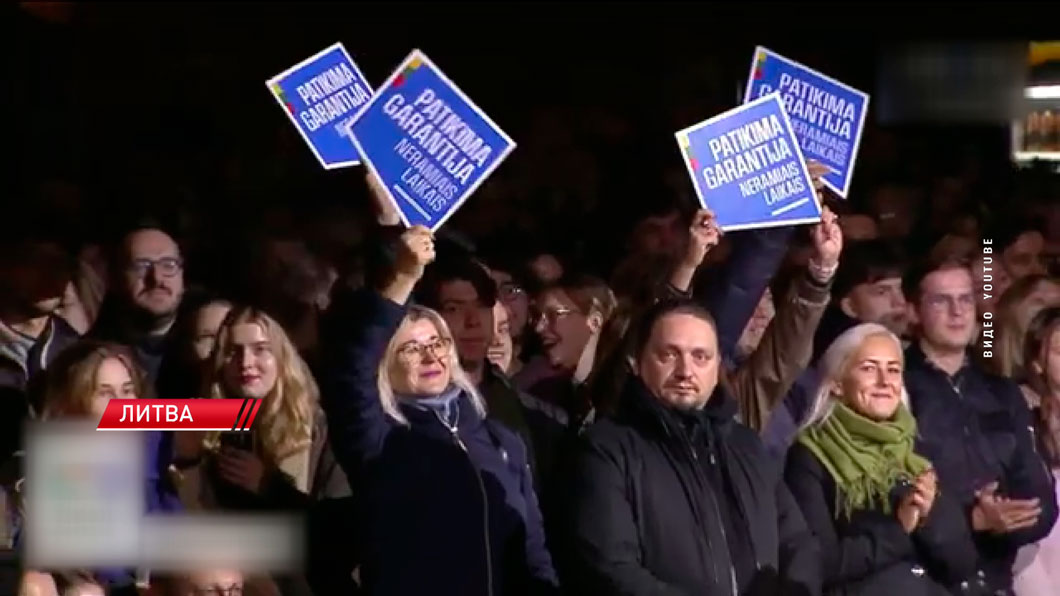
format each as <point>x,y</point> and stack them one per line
<point>835,362</point>
<point>284,423</point>
<point>70,384</point>
<point>457,376</point>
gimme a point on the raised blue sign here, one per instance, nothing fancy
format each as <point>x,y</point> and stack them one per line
<point>321,95</point>
<point>429,145</point>
<point>747,167</point>
<point>827,115</point>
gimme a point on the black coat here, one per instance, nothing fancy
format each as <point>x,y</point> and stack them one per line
<point>975,428</point>
<point>441,511</point>
<point>869,553</point>
<point>643,518</point>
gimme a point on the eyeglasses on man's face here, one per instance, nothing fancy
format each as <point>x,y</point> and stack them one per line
<point>166,266</point>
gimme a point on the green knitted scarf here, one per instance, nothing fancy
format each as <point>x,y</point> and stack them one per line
<point>865,458</point>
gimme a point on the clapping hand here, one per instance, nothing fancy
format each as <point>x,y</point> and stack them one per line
<point>1002,515</point>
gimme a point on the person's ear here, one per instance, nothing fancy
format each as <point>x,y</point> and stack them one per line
<point>1036,368</point>
<point>846,305</point>
<point>595,321</point>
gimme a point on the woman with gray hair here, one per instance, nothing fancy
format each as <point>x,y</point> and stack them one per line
<point>872,501</point>
<point>447,502</point>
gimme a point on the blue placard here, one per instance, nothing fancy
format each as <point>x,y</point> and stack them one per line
<point>747,167</point>
<point>828,116</point>
<point>427,142</point>
<point>321,95</point>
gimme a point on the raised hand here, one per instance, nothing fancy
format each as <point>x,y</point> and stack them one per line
<point>703,235</point>
<point>414,252</point>
<point>827,240</point>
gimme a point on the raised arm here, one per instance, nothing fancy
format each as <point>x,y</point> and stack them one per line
<point>703,235</point>
<point>786,348</point>
<point>756,256</point>
<point>356,335</point>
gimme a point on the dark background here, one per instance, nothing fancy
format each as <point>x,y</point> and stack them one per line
<point>162,107</point>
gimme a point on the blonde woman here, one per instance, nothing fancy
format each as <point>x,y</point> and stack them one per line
<point>283,459</point>
<point>78,385</point>
<point>869,497</point>
<point>449,506</point>
<point>284,462</point>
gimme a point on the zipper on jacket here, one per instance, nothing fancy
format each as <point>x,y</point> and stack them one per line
<point>739,505</point>
<point>735,590</point>
<point>485,503</point>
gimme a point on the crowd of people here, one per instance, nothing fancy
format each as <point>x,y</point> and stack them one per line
<point>867,405</point>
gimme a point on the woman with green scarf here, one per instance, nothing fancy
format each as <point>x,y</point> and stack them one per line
<point>873,502</point>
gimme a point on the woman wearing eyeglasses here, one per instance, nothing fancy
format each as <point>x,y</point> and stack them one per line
<point>448,504</point>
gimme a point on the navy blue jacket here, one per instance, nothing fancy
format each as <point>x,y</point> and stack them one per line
<point>975,428</point>
<point>441,512</point>
<point>732,295</point>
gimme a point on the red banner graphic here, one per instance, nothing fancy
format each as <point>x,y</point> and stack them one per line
<point>180,414</point>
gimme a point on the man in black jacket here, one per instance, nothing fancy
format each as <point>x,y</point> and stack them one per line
<point>974,426</point>
<point>671,495</point>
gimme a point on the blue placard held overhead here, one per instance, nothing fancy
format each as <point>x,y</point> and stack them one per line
<point>427,142</point>
<point>828,116</point>
<point>747,167</point>
<point>321,95</point>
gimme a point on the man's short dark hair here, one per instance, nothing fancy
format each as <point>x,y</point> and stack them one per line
<point>455,268</point>
<point>643,328</point>
<point>914,277</point>
<point>867,262</point>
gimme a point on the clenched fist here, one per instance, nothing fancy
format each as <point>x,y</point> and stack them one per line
<point>414,252</point>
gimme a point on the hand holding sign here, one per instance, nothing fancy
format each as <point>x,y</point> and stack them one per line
<point>703,235</point>
<point>415,252</point>
<point>827,241</point>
